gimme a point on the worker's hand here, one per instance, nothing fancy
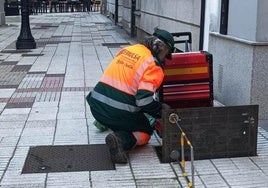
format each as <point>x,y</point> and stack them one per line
<point>165,106</point>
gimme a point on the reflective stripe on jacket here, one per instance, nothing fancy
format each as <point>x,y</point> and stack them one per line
<point>133,69</point>
<point>128,85</point>
<point>114,103</point>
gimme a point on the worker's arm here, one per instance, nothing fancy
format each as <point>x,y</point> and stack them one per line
<point>147,104</point>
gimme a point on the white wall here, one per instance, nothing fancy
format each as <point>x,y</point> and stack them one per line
<point>214,13</point>
<point>242,22</point>
<point>240,58</point>
<point>172,15</point>
<point>262,24</point>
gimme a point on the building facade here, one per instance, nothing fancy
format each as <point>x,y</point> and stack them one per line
<point>239,43</point>
<point>237,38</point>
<point>140,17</point>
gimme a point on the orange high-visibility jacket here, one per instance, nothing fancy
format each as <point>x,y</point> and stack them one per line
<point>128,85</point>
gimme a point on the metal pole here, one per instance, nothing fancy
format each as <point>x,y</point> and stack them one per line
<point>133,26</point>
<point>192,165</point>
<point>174,118</point>
<point>202,24</point>
<point>116,12</point>
<point>25,39</point>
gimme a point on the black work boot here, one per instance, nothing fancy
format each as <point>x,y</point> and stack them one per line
<point>115,145</point>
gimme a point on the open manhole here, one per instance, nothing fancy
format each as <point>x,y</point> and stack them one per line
<point>67,158</point>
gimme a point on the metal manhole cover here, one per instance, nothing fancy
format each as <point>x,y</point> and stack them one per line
<point>44,159</point>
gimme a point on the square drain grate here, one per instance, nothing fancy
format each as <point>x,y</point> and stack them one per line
<point>44,159</point>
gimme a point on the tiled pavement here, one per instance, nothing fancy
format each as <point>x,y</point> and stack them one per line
<point>42,102</point>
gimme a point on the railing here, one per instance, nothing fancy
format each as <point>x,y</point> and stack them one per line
<point>174,119</point>
<point>12,7</point>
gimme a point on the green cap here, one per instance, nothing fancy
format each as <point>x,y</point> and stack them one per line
<point>167,38</point>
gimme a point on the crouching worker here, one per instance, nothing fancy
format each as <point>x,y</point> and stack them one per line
<point>125,93</point>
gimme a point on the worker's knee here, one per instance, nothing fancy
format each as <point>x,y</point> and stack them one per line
<point>142,138</point>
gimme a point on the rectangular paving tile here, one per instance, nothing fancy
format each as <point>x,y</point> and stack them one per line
<point>158,183</point>
<point>6,93</point>
<point>43,114</point>
<point>66,180</point>
<point>19,105</point>
<point>16,179</point>
<point>13,118</point>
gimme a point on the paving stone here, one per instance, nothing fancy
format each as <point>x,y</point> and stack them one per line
<point>13,117</point>
<point>35,140</point>
<point>49,104</point>
<point>11,124</point>
<point>71,115</point>
<point>8,132</point>
<point>43,114</point>
<point>1,173</point>
<point>245,164</point>
<point>71,127</point>
<point>145,164</point>
<point>6,151</point>
<point>70,179</point>
<point>2,106</point>
<point>213,180</point>
<point>249,179</point>
<point>261,162</point>
<point>70,139</point>
<point>16,111</point>
<point>203,167</point>
<point>38,131</point>
<point>26,60</point>
<point>9,141</point>
<point>6,93</point>
<point>18,158</point>
<point>42,62</point>
<point>16,179</point>
<point>122,176</point>
<point>13,57</point>
<point>58,62</point>
<point>158,183</point>
<point>32,81</point>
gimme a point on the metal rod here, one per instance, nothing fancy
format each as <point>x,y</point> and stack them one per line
<point>192,164</point>
<point>182,152</point>
<point>174,118</point>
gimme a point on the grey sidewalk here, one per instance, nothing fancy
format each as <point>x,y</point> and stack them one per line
<point>42,102</point>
